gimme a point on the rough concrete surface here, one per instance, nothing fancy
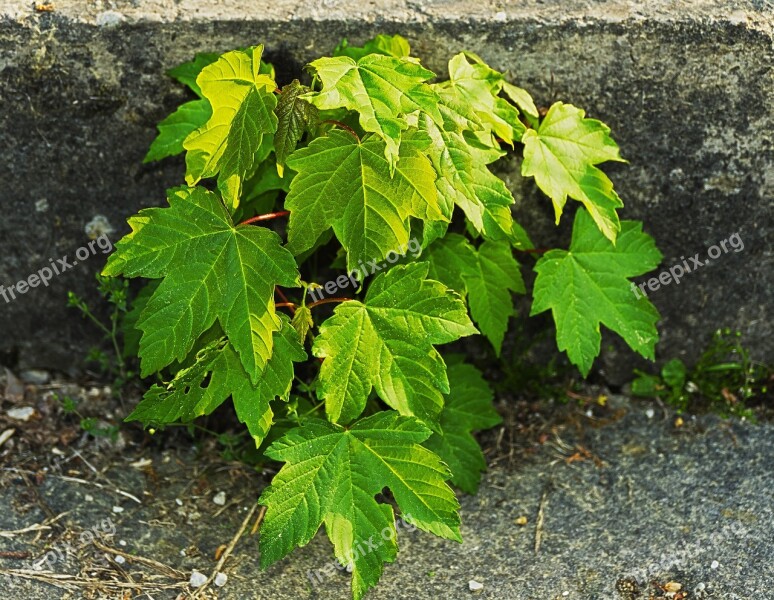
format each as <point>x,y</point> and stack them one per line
<point>686,85</point>
<point>617,494</point>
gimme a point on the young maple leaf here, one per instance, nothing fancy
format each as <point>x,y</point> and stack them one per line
<point>382,89</point>
<point>386,342</point>
<point>587,286</point>
<point>331,476</point>
<point>241,94</point>
<point>561,153</point>
<point>212,269</point>
<point>485,276</point>
<point>346,184</point>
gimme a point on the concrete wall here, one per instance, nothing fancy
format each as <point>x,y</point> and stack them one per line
<point>687,87</point>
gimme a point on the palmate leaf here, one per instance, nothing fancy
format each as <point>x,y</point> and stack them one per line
<point>386,342</point>
<point>295,116</point>
<point>216,374</point>
<point>587,286</point>
<point>176,127</point>
<point>465,181</point>
<point>468,408</point>
<point>382,89</point>
<point>187,72</point>
<point>346,184</point>
<point>561,153</point>
<point>478,85</point>
<point>212,270</point>
<point>486,276</point>
<point>331,476</point>
<point>242,101</point>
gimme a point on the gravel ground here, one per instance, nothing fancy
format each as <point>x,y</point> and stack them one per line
<point>621,501</point>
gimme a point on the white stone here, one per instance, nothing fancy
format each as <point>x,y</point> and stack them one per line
<point>118,509</point>
<point>197,579</point>
<point>120,559</point>
<point>475,585</point>
<point>219,498</point>
<point>23,413</point>
<point>650,413</point>
<point>715,564</point>
<point>221,579</point>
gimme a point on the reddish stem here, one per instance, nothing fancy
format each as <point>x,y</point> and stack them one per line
<point>266,217</point>
<point>344,127</point>
<point>327,301</point>
<point>285,301</point>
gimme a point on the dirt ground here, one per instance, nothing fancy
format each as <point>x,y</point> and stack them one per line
<point>581,501</point>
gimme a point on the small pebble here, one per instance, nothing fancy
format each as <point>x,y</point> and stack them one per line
<point>475,585</point>
<point>109,18</point>
<point>565,593</point>
<point>221,579</point>
<point>500,16</point>
<point>122,542</point>
<point>197,579</point>
<point>650,413</point>
<point>715,564</point>
<point>522,520</point>
<point>118,509</point>
<point>219,498</point>
<point>120,559</point>
<point>88,498</point>
<point>178,501</point>
<point>23,413</point>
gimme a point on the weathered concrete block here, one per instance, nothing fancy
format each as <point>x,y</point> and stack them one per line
<point>687,86</point>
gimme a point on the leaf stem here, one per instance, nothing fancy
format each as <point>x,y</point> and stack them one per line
<point>327,301</point>
<point>345,127</point>
<point>266,217</point>
<point>285,301</point>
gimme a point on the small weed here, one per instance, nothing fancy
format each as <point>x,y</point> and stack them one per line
<point>724,380</point>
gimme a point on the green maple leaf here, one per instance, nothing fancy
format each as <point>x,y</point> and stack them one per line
<point>216,374</point>
<point>486,276</point>
<point>478,85</point>
<point>465,181</point>
<point>388,45</point>
<point>176,127</point>
<point>212,269</point>
<point>331,476</point>
<point>382,89</point>
<point>295,116</point>
<point>346,184</point>
<point>468,408</point>
<point>561,153</point>
<point>587,286</point>
<point>242,101</point>
<point>386,342</point>
<point>187,72</point>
